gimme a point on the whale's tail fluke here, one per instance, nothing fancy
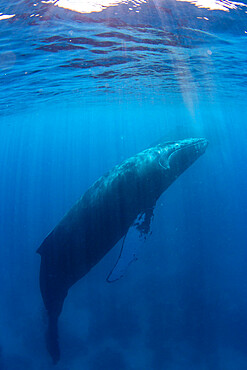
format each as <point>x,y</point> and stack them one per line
<point>52,343</point>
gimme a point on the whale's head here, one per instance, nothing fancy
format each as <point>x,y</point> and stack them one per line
<point>175,157</point>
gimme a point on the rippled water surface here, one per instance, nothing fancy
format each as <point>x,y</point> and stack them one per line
<point>145,49</point>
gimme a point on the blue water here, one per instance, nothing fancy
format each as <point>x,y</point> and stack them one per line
<point>79,94</point>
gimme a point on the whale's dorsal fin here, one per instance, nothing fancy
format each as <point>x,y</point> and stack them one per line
<point>131,245</point>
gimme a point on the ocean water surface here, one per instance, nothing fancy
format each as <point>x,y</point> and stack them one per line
<point>85,85</point>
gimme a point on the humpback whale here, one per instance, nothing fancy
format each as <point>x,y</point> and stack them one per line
<point>118,202</point>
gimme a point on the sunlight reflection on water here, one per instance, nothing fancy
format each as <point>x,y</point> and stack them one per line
<point>89,6</point>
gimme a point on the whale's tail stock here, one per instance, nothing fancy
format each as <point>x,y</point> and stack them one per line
<point>52,343</point>
<point>53,293</point>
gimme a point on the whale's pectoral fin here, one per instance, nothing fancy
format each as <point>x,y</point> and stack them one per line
<point>132,244</point>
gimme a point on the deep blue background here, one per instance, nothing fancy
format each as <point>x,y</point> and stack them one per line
<point>183,304</point>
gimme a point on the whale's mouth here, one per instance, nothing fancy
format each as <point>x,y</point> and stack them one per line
<point>201,144</point>
<point>178,156</point>
<point>198,145</point>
